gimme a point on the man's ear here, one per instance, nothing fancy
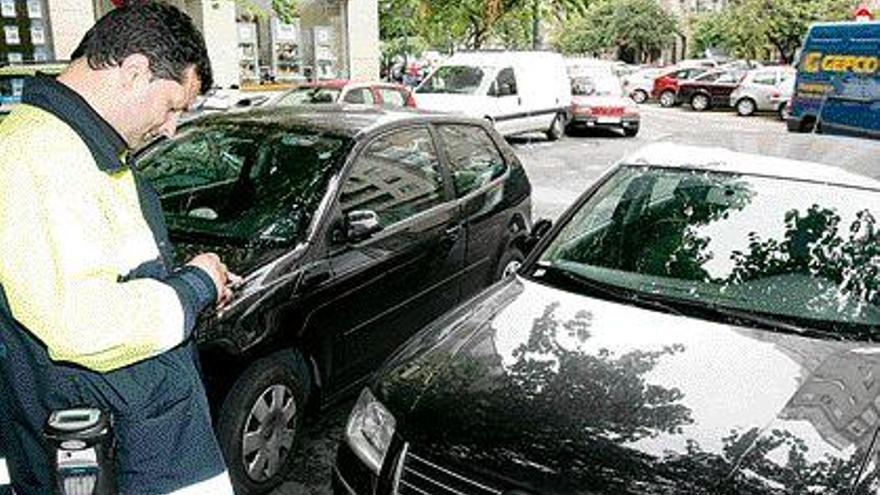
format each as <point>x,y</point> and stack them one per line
<point>136,72</point>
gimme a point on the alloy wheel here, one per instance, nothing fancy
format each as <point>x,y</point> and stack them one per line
<point>667,99</point>
<point>745,107</point>
<point>639,96</point>
<point>269,432</point>
<point>700,103</point>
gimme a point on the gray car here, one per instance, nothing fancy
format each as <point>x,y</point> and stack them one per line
<point>761,90</point>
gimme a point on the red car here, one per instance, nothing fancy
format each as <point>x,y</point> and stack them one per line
<point>666,86</point>
<point>345,91</point>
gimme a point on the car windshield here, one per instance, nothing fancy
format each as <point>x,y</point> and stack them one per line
<point>458,79</point>
<point>242,182</point>
<point>595,86</point>
<point>309,96</point>
<point>804,253</point>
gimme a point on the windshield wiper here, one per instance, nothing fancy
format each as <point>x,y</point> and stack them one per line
<point>615,293</point>
<point>757,318</point>
<point>740,316</point>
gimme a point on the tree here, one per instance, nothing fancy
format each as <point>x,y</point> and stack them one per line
<point>286,10</point>
<point>633,29</point>
<point>560,9</point>
<point>749,27</point>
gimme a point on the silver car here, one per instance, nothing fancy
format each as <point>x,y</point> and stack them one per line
<point>761,90</point>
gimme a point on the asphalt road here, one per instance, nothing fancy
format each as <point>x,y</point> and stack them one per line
<point>561,171</point>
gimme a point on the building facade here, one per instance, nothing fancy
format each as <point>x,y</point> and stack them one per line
<point>328,39</point>
<point>26,34</point>
<point>684,10</point>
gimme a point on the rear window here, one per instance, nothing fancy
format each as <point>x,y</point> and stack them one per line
<point>307,96</point>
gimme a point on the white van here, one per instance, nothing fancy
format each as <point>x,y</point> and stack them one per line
<point>518,91</point>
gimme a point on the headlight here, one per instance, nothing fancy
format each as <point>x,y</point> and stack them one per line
<point>369,430</point>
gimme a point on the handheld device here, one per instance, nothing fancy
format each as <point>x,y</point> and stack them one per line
<point>81,451</point>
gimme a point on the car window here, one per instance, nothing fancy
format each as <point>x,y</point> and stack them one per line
<point>242,182</point>
<point>765,78</point>
<point>308,96</point>
<point>392,97</point>
<point>359,95</point>
<point>803,252</point>
<point>727,78</point>
<point>505,83</point>
<point>710,77</point>
<point>456,79</point>
<point>472,155</point>
<point>397,176</point>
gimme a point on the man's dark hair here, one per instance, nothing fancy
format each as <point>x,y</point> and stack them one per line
<point>158,31</point>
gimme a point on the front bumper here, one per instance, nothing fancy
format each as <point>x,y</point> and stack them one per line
<point>350,475</point>
<point>593,122</point>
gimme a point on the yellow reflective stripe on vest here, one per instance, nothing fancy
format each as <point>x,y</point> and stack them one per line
<point>68,232</point>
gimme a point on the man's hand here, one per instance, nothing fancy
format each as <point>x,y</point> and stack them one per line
<point>224,280</point>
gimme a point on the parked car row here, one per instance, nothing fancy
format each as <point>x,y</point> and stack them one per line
<point>834,86</point>
<point>765,89</point>
<point>692,325</point>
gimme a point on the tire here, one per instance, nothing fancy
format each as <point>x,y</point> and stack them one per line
<point>630,131</point>
<point>700,102</point>
<point>275,385</point>
<point>509,263</point>
<point>667,99</point>
<point>783,112</point>
<point>557,128</point>
<point>639,96</point>
<point>746,107</point>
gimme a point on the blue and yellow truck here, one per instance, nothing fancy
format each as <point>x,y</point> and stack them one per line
<point>838,80</point>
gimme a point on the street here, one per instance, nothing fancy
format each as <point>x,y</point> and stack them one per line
<point>561,171</point>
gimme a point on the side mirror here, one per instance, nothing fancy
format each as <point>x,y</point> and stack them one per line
<point>361,224</point>
<point>539,230</point>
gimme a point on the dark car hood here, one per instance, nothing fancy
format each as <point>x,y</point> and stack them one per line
<point>553,392</point>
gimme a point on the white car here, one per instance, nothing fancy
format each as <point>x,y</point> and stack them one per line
<point>517,91</point>
<point>639,84</point>
<point>598,101</point>
<point>761,90</point>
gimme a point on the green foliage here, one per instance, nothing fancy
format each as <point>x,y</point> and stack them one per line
<point>749,27</point>
<point>284,9</point>
<point>632,28</point>
<point>469,24</point>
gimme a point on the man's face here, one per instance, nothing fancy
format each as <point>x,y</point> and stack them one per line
<point>158,107</point>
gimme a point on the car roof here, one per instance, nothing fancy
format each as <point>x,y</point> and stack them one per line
<point>345,120</point>
<point>327,83</point>
<point>724,160</point>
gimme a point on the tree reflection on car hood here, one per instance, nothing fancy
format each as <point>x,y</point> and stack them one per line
<point>550,391</point>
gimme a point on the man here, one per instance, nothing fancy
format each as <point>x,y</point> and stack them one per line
<point>90,311</point>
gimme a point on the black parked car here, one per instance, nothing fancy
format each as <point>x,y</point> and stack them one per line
<point>712,89</point>
<point>353,228</point>
<point>691,326</point>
